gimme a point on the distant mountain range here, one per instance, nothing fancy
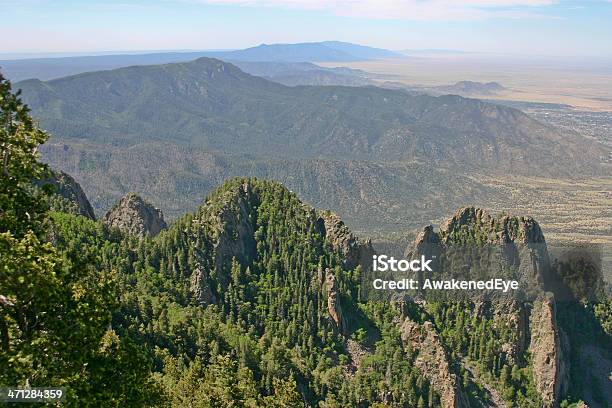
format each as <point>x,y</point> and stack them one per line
<point>372,154</point>
<point>305,73</point>
<point>326,51</point>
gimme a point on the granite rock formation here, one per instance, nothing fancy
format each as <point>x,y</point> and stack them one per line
<point>333,301</point>
<point>343,240</point>
<point>433,361</point>
<point>133,215</point>
<point>69,196</point>
<point>549,351</point>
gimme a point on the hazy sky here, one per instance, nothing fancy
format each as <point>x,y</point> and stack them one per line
<point>544,27</point>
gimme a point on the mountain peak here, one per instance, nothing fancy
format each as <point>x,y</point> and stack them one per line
<point>135,216</point>
<point>501,229</point>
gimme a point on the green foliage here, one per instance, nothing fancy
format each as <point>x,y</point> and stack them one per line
<point>603,314</point>
<point>22,210</point>
<point>263,329</point>
<point>326,143</point>
<point>480,338</point>
<point>55,301</point>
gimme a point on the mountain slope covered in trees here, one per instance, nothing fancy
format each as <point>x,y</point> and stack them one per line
<point>256,300</point>
<point>174,131</point>
<point>212,105</point>
<point>253,299</point>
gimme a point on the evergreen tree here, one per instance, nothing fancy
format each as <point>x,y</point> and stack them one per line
<point>55,304</point>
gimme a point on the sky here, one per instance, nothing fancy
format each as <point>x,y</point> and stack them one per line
<point>518,27</point>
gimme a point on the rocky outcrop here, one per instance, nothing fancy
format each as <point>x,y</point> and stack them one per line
<point>518,242</point>
<point>519,250</point>
<point>69,194</point>
<point>549,349</point>
<point>228,221</point>
<point>200,287</point>
<point>233,228</point>
<point>135,216</point>
<point>433,361</point>
<point>334,307</point>
<point>342,240</point>
<point>504,229</point>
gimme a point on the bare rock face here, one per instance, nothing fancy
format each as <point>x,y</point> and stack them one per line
<point>548,349</point>
<point>135,216</point>
<point>229,223</point>
<point>433,362</point>
<point>72,196</point>
<point>200,287</point>
<point>333,301</point>
<point>342,239</point>
<point>234,230</point>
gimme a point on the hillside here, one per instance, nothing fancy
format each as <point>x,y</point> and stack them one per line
<point>372,196</point>
<point>304,73</point>
<point>378,156</point>
<point>257,287</point>
<point>211,105</point>
<point>471,88</point>
<point>248,294</point>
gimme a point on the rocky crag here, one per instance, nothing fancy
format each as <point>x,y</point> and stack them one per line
<point>68,195</point>
<point>341,238</point>
<point>533,326</point>
<point>135,216</point>
<point>549,350</point>
<point>432,359</point>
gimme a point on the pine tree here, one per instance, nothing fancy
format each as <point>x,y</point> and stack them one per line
<point>55,303</point>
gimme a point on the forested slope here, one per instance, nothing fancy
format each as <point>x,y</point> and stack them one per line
<point>256,299</point>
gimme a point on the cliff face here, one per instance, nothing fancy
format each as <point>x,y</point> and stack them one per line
<point>432,360</point>
<point>549,351</point>
<point>521,245</point>
<point>342,240</point>
<point>200,287</point>
<point>72,199</point>
<point>135,216</point>
<point>334,307</point>
<point>234,228</point>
